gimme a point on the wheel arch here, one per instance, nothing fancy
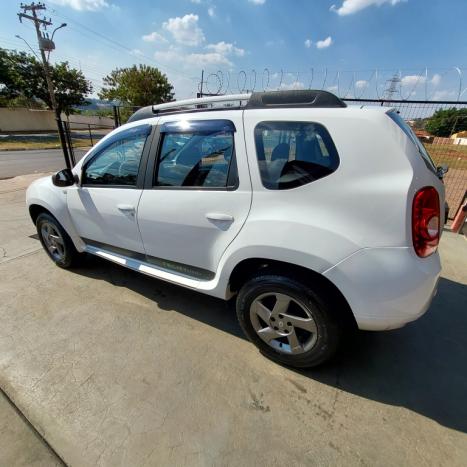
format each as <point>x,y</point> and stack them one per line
<point>36,209</point>
<point>248,268</point>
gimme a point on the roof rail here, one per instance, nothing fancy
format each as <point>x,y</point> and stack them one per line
<point>294,98</point>
<point>256,100</point>
<point>223,102</point>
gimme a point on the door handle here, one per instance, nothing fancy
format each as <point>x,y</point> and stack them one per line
<point>126,207</point>
<point>216,216</point>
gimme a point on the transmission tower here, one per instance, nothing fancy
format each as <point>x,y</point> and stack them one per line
<point>393,87</point>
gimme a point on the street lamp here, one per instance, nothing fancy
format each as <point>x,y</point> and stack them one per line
<point>27,43</point>
<point>56,29</point>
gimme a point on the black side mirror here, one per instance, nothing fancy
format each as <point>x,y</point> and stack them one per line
<point>63,178</point>
<point>442,170</point>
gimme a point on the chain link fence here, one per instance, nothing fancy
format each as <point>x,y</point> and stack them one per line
<point>450,149</point>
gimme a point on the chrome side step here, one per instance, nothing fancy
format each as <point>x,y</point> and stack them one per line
<point>148,269</point>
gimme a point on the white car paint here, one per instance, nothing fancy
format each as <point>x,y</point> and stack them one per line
<point>353,226</point>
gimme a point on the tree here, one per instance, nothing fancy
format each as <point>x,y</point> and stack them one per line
<point>444,122</point>
<point>22,79</point>
<point>137,86</point>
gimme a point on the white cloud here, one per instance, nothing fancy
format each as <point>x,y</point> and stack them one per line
<point>412,80</point>
<point>171,55</point>
<point>308,43</point>
<point>293,85</point>
<point>350,7</point>
<point>272,43</point>
<point>443,94</point>
<point>175,55</point>
<point>83,5</point>
<point>137,52</point>
<point>324,43</point>
<point>361,83</point>
<point>185,30</point>
<point>257,2</point>
<point>206,59</point>
<point>225,48</point>
<point>154,37</point>
<point>333,88</point>
<point>436,79</point>
<point>211,12</point>
<point>196,1</point>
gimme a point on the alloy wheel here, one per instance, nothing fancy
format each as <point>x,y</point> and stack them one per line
<point>53,240</point>
<point>284,323</point>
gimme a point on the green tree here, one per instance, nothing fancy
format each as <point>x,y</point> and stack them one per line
<point>22,80</point>
<point>444,122</point>
<point>137,86</point>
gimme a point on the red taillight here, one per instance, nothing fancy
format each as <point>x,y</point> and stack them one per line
<point>425,221</point>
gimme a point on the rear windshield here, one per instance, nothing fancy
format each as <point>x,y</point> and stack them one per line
<point>400,122</point>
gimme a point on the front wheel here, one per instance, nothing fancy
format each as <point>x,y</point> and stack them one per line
<point>288,321</point>
<point>56,241</point>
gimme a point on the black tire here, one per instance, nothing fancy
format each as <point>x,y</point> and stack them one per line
<point>71,257</point>
<point>329,326</point>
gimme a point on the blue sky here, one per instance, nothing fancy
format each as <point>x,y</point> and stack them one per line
<point>335,44</point>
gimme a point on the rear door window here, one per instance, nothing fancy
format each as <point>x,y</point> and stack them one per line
<point>291,154</point>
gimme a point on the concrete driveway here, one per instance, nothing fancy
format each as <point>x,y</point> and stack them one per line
<point>115,368</point>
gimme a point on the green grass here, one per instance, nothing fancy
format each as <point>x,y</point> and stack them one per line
<point>6,145</point>
<point>455,156</point>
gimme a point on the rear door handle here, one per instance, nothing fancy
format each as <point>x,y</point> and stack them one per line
<point>216,216</point>
<point>126,207</point>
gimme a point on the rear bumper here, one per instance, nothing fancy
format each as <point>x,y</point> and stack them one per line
<point>386,287</point>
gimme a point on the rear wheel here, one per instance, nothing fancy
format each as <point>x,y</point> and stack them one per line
<point>56,241</point>
<point>288,321</point>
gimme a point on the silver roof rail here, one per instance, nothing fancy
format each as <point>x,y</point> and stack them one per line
<point>302,98</point>
<point>206,102</point>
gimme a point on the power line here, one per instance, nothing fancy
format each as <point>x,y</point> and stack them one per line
<point>123,47</point>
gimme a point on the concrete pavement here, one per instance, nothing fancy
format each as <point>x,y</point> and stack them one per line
<point>115,368</point>
<point>20,445</point>
<point>14,163</point>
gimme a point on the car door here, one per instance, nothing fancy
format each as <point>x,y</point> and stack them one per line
<point>197,193</point>
<point>103,206</point>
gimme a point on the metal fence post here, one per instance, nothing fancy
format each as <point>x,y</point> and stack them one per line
<point>90,134</point>
<point>116,116</point>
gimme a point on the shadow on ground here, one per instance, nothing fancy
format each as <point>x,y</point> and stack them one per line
<point>422,366</point>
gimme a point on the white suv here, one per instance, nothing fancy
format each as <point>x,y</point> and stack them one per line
<point>313,214</point>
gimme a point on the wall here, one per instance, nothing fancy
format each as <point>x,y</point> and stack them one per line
<point>25,120</point>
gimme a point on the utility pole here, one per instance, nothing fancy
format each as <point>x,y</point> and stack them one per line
<point>200,93</point>
<point>46,44</point>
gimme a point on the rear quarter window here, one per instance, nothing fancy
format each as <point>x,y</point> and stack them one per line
<point>402,124</point>
<point>291,154</point>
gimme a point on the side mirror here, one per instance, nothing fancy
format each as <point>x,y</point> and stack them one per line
<point>63,178</point>
<point>442,170</point>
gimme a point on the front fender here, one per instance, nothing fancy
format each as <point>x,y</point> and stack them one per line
<point>44,193</point>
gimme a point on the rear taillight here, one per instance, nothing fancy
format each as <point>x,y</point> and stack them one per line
<point>426,221</point>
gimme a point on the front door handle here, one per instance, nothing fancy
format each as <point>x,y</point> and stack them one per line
<point>216,216</point>
<point>126,207</point>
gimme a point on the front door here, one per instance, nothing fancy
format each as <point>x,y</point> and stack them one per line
<point>103,208</point>
<point>197,196</point>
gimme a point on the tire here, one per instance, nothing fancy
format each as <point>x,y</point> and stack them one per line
<point>291,344</point>
<point>64,255</point>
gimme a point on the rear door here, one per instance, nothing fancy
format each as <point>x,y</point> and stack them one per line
<point>197,192</point>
